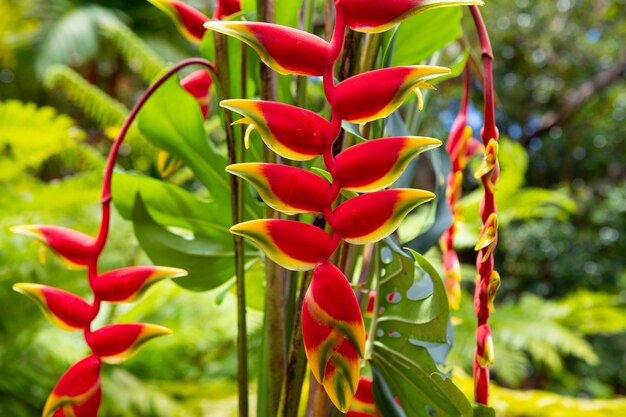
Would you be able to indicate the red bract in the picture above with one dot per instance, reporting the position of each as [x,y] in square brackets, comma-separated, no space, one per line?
[189,21]
[284,188]
[284,49]
[376,94]
[61,308]
[198,84]
[380,15]
[333,333]
[290,131]
[119,342]
[371,217]
[293,245]
[80,383]
[128,284]
[356,169]
[363,404]
[225,8]
[75,247]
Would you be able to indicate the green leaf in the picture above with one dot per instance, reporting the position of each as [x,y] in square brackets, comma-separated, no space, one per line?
[170,205]
[287,12]
[383,397]
[209,262]
[171,120]
[411,319]
[425,33]
[442,220]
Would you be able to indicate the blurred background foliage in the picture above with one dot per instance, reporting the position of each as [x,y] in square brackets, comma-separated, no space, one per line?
[69,71]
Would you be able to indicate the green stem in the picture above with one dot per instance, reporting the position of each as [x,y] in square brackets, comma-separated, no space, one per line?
[301,87]
[223,71]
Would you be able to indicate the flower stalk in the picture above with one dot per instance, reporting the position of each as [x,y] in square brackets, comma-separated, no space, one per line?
[488,280]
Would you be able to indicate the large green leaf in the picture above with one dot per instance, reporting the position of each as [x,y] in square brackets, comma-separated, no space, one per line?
[171,120]
[411,320]
[208,260]
[171,206]
[425,33]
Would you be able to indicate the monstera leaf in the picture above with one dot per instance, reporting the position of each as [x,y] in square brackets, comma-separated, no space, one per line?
[410,321]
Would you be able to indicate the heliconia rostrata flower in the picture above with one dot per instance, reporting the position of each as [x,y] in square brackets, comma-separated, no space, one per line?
[332,323]
[78,392]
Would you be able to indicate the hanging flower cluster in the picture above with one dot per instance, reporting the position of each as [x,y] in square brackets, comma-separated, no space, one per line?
[460,146]
[488,280]
[333,332]
[78,392]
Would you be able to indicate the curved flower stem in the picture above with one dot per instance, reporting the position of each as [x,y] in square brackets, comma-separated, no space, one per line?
[484,262]
[113,153]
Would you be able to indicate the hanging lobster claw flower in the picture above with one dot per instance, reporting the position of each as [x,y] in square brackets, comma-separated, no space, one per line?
[283,49]
[226,7]
[333,334]
[284,188]
[488,236]
[198,84]
[489,165]
[79,384]
[75,247]
[189,21]
[87,409]
[129,284]
[292,132]
[484,346]
[118,342]
[376,94]
[376,164]
[291,244]
[369,218]
[492,289]
[376,16]
[61,308]
[363,403]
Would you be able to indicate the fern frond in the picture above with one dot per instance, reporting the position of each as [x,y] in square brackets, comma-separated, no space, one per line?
[139,56]
[29,135]
[95,103]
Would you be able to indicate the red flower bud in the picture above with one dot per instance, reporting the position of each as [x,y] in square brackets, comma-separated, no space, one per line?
[369,218]
[333,333]
[73,246]
[283,49]
[284,188]
[225,8]
[484,346]
[61,308]
[291,244]
[79,384]
[376,94]
[198,84]
[128,284]
[291,132]
[363,404]
[118,342]
[379,15]
[376,164]
[189,21]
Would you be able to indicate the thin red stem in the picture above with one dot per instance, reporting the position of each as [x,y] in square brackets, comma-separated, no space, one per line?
[113,153]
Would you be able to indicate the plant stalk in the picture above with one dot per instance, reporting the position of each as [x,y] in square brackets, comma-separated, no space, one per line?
[223,71]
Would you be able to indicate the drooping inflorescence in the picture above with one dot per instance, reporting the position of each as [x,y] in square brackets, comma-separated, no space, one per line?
[333,332]
[78,392]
